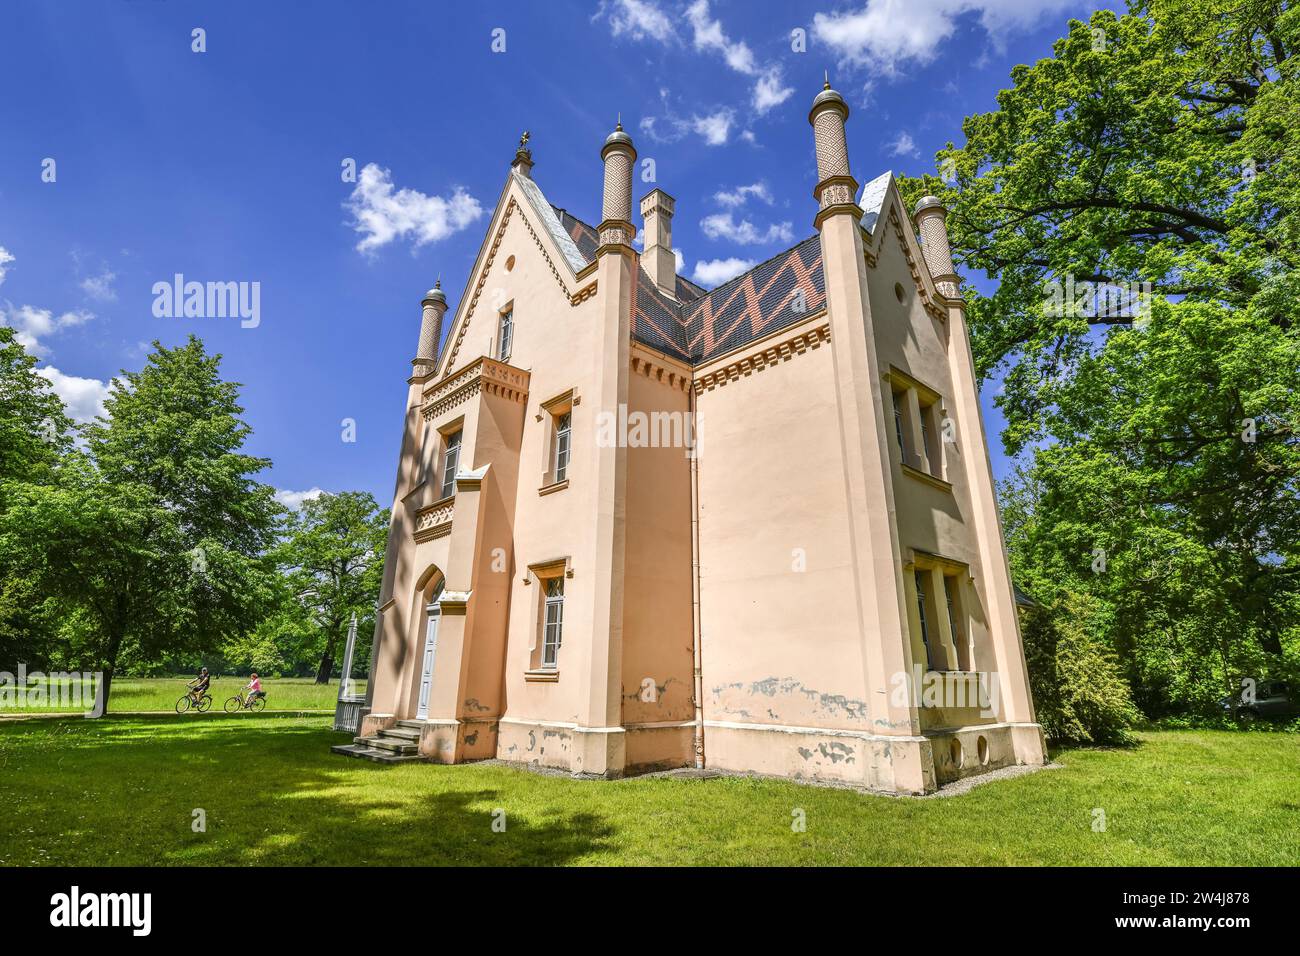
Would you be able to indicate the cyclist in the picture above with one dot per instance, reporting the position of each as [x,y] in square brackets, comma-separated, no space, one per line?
[199,686]
[254,688]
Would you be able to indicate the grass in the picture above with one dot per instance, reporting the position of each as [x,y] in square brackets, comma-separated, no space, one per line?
[123,790]
[143,694]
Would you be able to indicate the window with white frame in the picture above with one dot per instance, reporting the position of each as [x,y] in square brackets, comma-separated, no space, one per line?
[957,623]
[563,437]
[506,334]
[921,601]
[552,621]
[900,399]
[450,464]
[918,424]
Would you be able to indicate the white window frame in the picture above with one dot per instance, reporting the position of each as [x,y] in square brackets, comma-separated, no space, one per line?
[552,621]
[506,333]
[563,445]
[450,463]
[918,577]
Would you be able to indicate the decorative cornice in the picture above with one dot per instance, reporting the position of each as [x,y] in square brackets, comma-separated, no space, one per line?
[482,374]
[583,294]
[773,354]
[660,372]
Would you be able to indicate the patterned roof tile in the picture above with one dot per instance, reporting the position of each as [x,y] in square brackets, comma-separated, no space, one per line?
[702,325]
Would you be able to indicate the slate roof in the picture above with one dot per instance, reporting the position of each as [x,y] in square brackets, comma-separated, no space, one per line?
[702,325]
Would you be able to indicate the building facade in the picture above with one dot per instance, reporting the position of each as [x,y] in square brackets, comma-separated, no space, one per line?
[639,525]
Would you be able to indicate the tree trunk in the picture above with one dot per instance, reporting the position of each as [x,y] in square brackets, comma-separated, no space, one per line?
[326,662]
[110,664]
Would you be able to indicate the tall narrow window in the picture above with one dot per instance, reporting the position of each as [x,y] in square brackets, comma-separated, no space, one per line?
[426,454]
[955,620]
[898,425]
[925,625]
[450,463]
[507,334]
[563,431]
[553,622]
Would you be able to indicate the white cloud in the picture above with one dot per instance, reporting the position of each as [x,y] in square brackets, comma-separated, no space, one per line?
[722,225]
[101,286]
[382,214]
[31,324]
[770,91]
[715,127]
[903,145]
[681,261]
[82,397]
[293,500]
[738,196]
[708,36]
[639,19]
[885,35]
[714,272]
[5,258]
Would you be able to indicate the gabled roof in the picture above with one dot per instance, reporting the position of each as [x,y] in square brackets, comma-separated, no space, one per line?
[701,325]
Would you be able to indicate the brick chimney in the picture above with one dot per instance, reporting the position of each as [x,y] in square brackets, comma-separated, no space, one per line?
[658,259]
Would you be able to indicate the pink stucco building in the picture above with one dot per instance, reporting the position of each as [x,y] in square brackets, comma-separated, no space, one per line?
[640,525]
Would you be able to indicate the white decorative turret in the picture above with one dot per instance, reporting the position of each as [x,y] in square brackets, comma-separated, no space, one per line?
[932,223]
[432,309]
[616,219]
[835,185]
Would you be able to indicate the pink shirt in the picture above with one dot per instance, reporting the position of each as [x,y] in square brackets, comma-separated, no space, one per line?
[255,684]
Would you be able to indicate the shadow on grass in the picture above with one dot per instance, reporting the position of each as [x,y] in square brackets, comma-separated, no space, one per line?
[271,794]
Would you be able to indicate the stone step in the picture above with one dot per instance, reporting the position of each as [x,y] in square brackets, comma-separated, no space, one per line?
[363,752]
[382,737]
[416,725]
[405,733]
[404,747]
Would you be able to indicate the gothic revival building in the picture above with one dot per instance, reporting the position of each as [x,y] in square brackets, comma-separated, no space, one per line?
[642,525]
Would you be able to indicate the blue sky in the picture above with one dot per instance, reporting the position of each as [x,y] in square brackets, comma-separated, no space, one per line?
[226,165]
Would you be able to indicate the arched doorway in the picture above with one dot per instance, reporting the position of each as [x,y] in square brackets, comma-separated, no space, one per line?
[432,614]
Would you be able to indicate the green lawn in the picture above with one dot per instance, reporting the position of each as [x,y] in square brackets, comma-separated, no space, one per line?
[160,694]
[122,791]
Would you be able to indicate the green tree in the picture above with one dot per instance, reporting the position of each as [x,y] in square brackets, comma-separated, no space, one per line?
[34,435]
[1160,147]
[154,538]
[331,557]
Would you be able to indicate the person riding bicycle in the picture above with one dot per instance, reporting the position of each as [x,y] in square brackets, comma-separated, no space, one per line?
[199,686]
[254,688]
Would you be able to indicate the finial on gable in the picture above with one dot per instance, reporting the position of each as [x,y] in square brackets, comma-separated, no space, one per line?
[524,156]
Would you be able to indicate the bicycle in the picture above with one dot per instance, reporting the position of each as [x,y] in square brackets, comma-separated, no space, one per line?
[239,703]
[188,700]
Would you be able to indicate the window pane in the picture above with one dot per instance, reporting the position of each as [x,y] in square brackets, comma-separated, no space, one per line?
[450,464]
[898,424]
[925,627]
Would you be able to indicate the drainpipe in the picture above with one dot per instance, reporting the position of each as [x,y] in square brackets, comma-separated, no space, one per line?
[695,580]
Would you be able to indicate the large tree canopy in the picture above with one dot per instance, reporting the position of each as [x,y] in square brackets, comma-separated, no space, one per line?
[34,433]
[330,559]
[1160,147]
[154,539]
